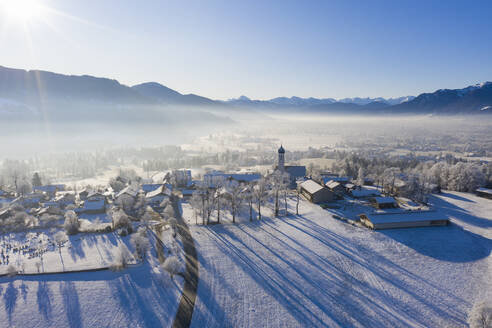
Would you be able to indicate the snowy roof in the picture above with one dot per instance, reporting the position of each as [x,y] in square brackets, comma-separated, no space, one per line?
[148,187]
[296,171]
[384,200]
[129,190]
[332,184]
[93,204]
[365,192]
[409,216]
[162,190]
[336,179]
[485,190]
[311,186]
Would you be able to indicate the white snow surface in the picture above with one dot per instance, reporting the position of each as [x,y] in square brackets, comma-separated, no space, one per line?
[312,270]
[141,295]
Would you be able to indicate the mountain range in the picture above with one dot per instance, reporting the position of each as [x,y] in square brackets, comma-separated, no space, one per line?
[21,90]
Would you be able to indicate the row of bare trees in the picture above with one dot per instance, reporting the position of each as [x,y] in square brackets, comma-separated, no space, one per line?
[233,196]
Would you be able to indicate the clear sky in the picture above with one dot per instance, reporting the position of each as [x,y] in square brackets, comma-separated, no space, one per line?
[262,49]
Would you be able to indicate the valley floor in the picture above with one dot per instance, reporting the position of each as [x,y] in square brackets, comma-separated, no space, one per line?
[313,270]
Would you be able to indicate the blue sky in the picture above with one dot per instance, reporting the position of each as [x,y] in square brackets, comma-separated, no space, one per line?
[262,49]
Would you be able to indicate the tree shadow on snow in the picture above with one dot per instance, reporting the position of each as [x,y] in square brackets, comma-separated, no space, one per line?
[459,213]
[71,304]
[44,300]
[450,243]
[10,299]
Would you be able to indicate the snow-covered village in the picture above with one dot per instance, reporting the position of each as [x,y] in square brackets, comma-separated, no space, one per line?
[245,164]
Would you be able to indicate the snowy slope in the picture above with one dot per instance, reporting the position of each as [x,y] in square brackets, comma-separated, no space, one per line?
[313,270]
[138,296]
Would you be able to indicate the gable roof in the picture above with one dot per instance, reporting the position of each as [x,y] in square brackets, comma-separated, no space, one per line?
[162,190]
[384,200]
[311,186]
[332,184]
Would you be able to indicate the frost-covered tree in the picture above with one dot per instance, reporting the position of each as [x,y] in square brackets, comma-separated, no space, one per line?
[234,192]
[126,202]
[120,220]
[480,316]
[260,191]
[172,265]
[141,243]
[360,177]
[121,259]
[71,224]
[36,180]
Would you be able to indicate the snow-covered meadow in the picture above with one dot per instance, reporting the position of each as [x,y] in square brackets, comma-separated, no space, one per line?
[141,295]
[313,270]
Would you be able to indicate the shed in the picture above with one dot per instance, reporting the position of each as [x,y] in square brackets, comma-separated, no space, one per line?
[408,219]
[384,202]
[315,192]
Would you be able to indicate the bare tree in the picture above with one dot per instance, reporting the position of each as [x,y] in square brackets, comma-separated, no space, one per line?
[260,192]
[234,193]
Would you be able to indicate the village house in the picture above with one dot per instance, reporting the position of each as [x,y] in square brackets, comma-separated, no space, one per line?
[64,198]
[407,219]
[315,193]
[156,197]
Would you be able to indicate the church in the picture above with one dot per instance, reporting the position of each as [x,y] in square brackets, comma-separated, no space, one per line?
[295,171]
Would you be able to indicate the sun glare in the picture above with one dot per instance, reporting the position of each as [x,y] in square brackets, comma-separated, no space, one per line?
[23,10]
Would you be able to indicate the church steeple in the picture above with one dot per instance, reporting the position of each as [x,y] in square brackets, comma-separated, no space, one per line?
[281,158]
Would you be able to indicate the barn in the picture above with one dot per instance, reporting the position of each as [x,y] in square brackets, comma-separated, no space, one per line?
[407,219]
[315,192]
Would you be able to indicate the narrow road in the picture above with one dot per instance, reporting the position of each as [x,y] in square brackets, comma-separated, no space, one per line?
[187,301]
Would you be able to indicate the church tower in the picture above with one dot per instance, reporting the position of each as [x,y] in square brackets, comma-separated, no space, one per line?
[281,158]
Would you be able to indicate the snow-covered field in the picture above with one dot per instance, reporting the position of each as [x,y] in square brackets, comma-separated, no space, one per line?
[313,270]
[78,252]
[138,296]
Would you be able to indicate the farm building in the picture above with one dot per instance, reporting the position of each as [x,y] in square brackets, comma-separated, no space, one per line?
[365,192]
[155,198]
[409,219]
[384,202]
[335,187]
[484,192]
[315,192]
[341,180]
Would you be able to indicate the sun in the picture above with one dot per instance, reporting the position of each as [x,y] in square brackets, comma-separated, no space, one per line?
[22,10]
